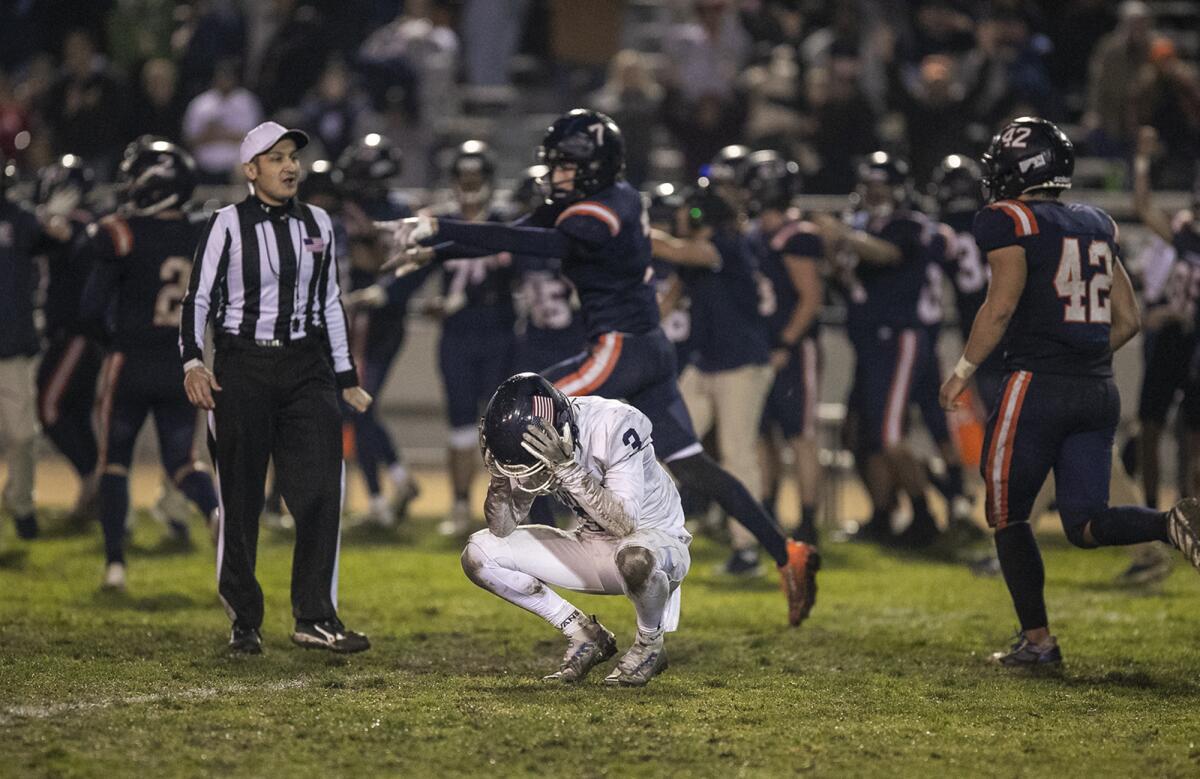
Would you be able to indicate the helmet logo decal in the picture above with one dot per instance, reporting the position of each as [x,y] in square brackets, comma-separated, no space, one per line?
[1036,161]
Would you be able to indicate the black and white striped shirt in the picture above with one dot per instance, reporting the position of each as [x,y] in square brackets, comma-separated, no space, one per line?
[267,273]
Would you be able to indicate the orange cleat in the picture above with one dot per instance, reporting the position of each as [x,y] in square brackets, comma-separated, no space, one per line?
[799,575]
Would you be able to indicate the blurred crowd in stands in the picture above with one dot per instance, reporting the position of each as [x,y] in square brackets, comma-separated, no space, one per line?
[824,81]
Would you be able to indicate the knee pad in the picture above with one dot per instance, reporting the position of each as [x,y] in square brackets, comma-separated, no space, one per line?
[1075,521]
[636,564]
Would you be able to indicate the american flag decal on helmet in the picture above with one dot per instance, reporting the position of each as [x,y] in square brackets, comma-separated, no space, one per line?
[544,407]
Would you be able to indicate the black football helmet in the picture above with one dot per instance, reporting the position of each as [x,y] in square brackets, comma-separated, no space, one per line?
[64,184]
[593,143]
[955,186]
[663,202]
[728,166]
[531,190]
[472,170]
[322,180]
[881,168]
[368,165]
[707,208]
[517,402]
[156,175]
[1029,153]
[769,181]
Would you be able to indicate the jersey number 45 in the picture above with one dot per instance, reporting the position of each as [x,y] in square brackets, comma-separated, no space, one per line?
[1087,299]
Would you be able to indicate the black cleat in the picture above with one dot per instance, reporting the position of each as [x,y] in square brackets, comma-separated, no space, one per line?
[329,634]
[246,641]
[1026,654]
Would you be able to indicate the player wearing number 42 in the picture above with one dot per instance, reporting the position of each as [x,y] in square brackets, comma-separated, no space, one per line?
[1060,291]
[141,267]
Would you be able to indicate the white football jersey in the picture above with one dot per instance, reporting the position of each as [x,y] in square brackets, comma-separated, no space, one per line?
[616,446]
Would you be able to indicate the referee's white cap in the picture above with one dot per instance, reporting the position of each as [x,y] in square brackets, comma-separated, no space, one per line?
[266,135]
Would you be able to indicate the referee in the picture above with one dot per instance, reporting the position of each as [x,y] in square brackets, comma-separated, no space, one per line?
[266,278]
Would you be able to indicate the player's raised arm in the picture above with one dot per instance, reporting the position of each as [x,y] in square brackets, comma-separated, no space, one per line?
[694,251]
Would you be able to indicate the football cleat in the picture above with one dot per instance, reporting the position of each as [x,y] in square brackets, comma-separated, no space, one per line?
[1026,654]
[246,641]
[114,577]
[381,513]
[592,645]
[742,563]
[1151,563]
[640,664]
[405,494]
[799,576]
[1183,528]
[329,634]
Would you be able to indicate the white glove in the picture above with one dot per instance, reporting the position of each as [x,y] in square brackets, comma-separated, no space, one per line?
[544,442]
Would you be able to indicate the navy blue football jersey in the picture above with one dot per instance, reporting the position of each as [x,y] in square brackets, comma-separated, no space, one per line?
[1182,289]
[729,320]
[610,261]
[890,295]
[1062,321]
[548,306]
[66,272]
[478,291]
[799,240]
[967,269]
[142,268]
[19,238]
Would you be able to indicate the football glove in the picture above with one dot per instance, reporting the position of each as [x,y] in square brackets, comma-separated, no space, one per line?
[544,442]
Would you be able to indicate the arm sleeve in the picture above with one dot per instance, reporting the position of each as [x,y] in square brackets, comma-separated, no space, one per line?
[994,229]
[804,244]
[452,250]
[334,316]
[494,238]
[212,257]
[505,506]
[615,501]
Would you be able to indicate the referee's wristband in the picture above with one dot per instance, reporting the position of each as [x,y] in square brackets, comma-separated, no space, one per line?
[965,368]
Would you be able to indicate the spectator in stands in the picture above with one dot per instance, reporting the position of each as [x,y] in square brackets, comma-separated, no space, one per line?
[212,31]
[491,33]
[158,109]
[217,120]
[840,126]
[1168,99]
[934,109]
[87,107]
[331,112]
[14,120]
[854,33]
[294,56]
[633,98]
[773,97]
[417,52]
[1008,68]
[1112,80]
[1076,27]
[941,27]
[704,108]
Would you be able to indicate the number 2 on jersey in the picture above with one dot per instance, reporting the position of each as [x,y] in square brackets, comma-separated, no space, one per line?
[1087,300]
[174,273]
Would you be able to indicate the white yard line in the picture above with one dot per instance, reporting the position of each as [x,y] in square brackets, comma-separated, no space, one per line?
[13,714]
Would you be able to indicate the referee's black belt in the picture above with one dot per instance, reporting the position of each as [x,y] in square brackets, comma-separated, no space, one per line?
[229,339]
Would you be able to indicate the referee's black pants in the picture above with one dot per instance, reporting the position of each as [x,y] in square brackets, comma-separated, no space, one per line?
[278,402]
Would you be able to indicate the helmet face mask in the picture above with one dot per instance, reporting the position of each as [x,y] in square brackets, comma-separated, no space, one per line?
[367,167]
[769,182]
[517,403]
[471,173]
[956,186]
[592,143]
[1027,154]
[884,183]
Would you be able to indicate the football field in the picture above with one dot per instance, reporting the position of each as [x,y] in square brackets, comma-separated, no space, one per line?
[887,678]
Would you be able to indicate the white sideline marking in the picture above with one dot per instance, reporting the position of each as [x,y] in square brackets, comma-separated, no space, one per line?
[14,713]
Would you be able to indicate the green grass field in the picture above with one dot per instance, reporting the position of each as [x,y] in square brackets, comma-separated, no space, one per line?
[886,679]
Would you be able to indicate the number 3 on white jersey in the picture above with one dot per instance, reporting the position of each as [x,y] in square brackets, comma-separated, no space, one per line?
[1087,302]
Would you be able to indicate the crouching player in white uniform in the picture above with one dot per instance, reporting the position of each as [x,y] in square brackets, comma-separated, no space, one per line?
[596,456]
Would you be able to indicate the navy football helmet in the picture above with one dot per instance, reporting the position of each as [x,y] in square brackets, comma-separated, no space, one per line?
[707,208]
[1028,154]
[593,143]
[515,405]
[156,175]
[368,165]
[956,186]
[64,184]
[769,181]
[663,202]
[322,180]
[472,170]
[531,189]
[884,182]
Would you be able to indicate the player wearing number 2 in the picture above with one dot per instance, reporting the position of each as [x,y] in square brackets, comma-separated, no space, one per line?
[142,264]
[1060,291]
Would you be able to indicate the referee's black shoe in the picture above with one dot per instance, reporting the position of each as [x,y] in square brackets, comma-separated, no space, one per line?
[247,641]
[329,634]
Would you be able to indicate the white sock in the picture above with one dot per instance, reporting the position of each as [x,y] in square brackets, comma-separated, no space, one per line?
[521,589]
[651,605]
[398,474]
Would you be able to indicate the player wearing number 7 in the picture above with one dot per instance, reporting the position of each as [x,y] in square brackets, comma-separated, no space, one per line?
[143,263]
[1060,298]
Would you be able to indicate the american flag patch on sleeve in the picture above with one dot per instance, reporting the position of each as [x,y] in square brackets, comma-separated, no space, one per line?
[544,407]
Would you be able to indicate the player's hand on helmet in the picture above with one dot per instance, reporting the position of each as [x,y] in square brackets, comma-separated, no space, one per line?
[357,398]
[199,383]
[545,443]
